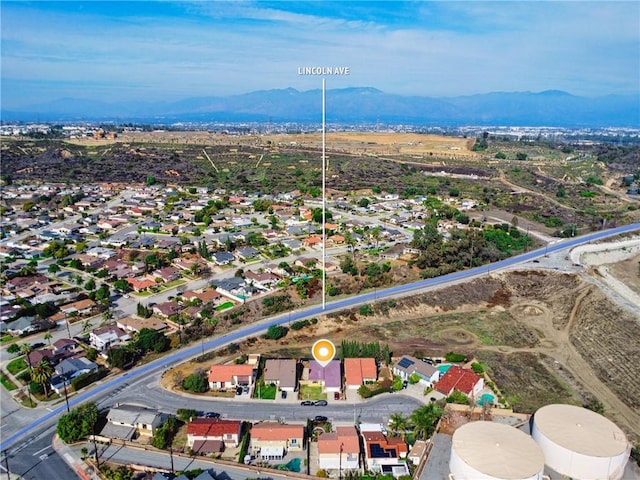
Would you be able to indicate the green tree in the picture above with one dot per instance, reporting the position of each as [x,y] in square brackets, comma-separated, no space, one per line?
[276,332]
[48,337]
[120,357]
[13,349]
[398,424]
[53,268]
[122,285]
[424,419]
[78,423]
[26,350]
[195,383]
[164,434]
[90,284]
[41,373]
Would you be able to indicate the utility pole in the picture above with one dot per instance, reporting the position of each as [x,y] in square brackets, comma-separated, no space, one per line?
[64,384]
[6,464]
[324,198]
[171,456]
[340,471]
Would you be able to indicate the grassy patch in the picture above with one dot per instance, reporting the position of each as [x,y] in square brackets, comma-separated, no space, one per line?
[265,392]
[16,365]
[224,306]
[6,338]
[6,383]
[27,402]
[312,392]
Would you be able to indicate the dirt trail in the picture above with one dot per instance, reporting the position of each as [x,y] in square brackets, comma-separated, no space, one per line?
[557,345]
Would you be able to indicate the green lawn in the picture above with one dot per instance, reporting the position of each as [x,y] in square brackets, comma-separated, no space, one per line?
[17,365]
[311,392]
[224,306]
[6,383]
[265,392]
[6,338]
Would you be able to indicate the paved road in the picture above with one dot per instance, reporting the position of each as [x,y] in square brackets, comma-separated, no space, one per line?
[120,384]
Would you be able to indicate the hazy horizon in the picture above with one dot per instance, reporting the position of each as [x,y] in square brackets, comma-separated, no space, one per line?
[169,51]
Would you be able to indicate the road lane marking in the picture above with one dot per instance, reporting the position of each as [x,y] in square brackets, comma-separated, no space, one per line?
[42,450]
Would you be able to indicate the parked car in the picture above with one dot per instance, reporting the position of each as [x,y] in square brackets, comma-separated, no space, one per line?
[283,394]
[307,403]
[320,403]
[212,415]
[238,390]
[320,418]
[37,345]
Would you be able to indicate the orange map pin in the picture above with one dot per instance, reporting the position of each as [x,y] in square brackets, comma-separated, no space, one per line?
[323,351]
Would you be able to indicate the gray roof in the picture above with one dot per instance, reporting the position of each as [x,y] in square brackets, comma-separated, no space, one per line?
[132,415]
[72,365]
[282,370]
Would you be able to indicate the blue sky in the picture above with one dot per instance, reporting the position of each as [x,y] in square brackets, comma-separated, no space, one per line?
[166,51]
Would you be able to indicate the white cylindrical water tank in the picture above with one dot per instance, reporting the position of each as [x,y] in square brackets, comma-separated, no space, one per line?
[493,451]
[580,443]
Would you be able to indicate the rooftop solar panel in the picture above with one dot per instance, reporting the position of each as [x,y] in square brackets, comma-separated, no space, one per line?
[405,363]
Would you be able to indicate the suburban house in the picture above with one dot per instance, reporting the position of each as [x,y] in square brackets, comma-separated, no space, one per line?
[104,337]
[272,441]
[139,284]
[229,376]
[329,377]
[408,366]
[358,371]
[264,280]
[461,379]
[223,258]
[282,372]
[417,452]
[383,454]
[74,367]
[166,309]
[64,345]
[211,435]
[132,420]
[339,449]
[166,274]
[80,307]
[135,324]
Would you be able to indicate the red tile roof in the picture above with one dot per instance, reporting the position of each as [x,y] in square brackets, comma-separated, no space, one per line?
[457,378]
[345,436]
[225,373]
[213,427]
[268,431]
[356,370]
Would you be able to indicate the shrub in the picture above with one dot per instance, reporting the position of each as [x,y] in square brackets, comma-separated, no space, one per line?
[186,414]
[366,310]
[195,383]
[276,332]
[455,357]
[477,368]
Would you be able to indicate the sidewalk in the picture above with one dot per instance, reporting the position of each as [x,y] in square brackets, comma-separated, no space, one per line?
[71,458]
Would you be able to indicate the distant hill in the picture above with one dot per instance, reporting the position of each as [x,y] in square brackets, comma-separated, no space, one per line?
[356,105]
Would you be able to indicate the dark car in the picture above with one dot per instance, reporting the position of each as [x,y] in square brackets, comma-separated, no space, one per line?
[212,415]
[37,345]
[283,394]
[320,403]
[307,403]
[320,418]
[238,390]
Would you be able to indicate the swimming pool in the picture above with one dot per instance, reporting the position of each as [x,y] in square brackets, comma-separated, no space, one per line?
[486,397]
[444,367]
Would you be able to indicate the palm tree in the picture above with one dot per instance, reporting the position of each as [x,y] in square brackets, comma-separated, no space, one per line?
[41,374]
[398,424]
[26,349]
[48,337]
[86,326]
[424,418]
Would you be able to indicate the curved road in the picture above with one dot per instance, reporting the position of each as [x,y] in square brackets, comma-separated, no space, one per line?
[146,371]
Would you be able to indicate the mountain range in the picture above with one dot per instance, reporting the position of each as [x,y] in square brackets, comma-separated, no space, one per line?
[355,105]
